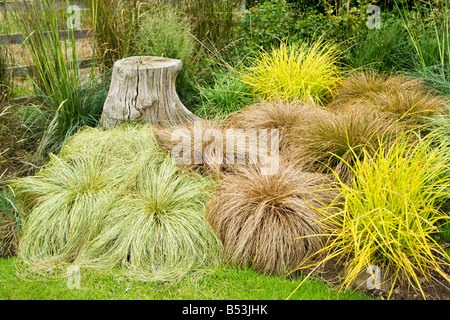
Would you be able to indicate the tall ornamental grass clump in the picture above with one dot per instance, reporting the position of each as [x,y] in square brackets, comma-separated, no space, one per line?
[66,99]
[111,199]
[390,213]
[163,31]
[115,24]
[430,39]
[295,72]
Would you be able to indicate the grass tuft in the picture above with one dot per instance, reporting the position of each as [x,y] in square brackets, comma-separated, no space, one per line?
[390,213]
[112,199]
[257,217]
[295,72]
[402,99]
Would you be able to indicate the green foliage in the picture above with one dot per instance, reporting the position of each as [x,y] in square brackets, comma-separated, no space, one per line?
[228,94]
[383,49]
[430,37]
[212,21]
[348,18]
[49,124]
[4,79]
[312,25]
[114,24]
[112,200]
[66,99]
[267,24]
[165,32]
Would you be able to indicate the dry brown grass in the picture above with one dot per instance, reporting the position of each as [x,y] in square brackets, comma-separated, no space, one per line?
[207,146]
[8,239]
[402,99]
[280,115]
[257,217]
[336,138]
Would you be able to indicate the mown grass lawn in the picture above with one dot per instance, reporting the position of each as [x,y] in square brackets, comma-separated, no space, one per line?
[227,283]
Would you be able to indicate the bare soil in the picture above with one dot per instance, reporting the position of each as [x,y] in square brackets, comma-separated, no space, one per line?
[436,288]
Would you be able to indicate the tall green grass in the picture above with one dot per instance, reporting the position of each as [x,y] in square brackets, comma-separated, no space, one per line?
[213,21]
[4,78]
[390,214]
[165,31]
[383,49]
[66,98]
[111,200]
[430,38]
[227,95]
[115,24]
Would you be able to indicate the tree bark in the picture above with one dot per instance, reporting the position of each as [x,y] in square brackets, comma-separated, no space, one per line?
[143,88]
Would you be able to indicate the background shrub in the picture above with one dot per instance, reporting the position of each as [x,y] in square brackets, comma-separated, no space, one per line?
[165,32]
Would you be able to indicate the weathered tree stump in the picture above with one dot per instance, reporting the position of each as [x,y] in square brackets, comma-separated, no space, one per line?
[143,88]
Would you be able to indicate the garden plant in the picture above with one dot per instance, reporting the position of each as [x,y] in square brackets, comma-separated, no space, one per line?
[349,100]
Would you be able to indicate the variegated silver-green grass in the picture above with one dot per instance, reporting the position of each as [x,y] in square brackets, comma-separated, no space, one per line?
[111,199]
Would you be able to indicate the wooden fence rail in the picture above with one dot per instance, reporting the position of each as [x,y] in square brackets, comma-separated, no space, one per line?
[22,71]
[58,4]
[17,38]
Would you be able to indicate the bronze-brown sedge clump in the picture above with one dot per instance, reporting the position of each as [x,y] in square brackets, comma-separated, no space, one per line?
[280,115]
[404,100]
[336,138]
[209,147]
[258,217]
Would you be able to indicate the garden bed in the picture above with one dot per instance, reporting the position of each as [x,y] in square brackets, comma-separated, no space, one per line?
[301,144]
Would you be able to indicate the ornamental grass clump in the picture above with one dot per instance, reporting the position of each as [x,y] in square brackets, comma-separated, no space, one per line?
[209,147]
[10,221]
[295,72]
[402,99]
[334,139]
[257,216]
[112,199]
[390,215]
[281,115]
[156,229]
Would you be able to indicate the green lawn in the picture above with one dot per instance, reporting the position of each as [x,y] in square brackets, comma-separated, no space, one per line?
[226,283]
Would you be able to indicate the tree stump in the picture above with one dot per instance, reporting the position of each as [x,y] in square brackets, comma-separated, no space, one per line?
[143,88]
